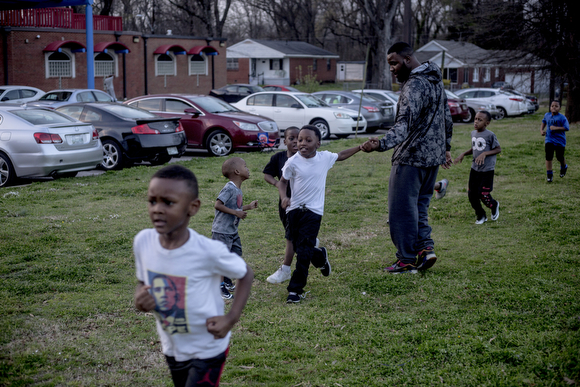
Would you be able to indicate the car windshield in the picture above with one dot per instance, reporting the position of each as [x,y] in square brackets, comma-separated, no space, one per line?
[56,96]
[125,111]
[2,91]
[42,117]
[452,95]
[255,89]
[214,105]
[291,88]
[310,101]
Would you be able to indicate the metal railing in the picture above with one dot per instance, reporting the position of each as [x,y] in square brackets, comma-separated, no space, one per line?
[58,18]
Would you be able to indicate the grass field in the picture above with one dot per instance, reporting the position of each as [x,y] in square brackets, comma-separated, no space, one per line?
[500,307]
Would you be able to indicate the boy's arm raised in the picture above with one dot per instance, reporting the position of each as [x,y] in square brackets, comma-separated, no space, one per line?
[219,326]
[345,154]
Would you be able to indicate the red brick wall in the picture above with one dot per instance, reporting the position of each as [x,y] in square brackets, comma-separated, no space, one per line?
[243,73]
[306,64]
[26,65]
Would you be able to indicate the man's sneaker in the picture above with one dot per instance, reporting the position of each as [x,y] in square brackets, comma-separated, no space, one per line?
[481,220]
[563,171]
[294,298]
[426,259]
[226,295]
[279,276]
[495,214]
[400,267]
[229,284]
[443,190]
[325,270]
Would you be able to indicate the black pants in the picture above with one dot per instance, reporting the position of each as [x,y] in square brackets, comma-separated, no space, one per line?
[480,187]
[197,372]
[304,225]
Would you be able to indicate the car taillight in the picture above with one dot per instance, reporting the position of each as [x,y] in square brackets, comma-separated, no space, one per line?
[371,109]
[95,135]
[47,138]
[516,99]
[452,104]
[179,128]
[143,129]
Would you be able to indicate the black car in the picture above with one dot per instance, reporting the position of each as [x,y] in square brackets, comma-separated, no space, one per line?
[234,93]
[130,134]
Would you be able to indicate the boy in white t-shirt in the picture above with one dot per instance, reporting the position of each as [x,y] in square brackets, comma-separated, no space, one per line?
[179,273]
[306,171]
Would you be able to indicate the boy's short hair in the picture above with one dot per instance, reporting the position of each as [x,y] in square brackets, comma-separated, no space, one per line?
[230,165]
[314,129]
[556,100]
[401,48]
[487,114]
[291,128]
[179,172]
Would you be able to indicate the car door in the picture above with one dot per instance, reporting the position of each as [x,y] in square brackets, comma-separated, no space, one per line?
[288,112]
[194,126]
[260,104]
[12,96]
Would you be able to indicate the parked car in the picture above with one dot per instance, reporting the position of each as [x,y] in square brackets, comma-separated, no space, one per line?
[234,93]
[501,85]
[56,98]
[130,134]
[37,142]
[531,98]
[476,105]
[279,88]
[458,107]
[18,94]
[289,108]
[377,113]
[383,95]
[507,103]
[213,124]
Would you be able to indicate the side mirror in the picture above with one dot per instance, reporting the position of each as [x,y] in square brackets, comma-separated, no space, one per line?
[194,112]
[296,106]
[5,99]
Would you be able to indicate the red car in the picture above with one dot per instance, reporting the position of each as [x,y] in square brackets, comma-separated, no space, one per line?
[213,124]
[279,88]
[458,107]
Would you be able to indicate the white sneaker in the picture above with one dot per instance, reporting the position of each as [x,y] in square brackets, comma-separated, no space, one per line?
[495,215]
[279,276]
[482,220]
[443,190]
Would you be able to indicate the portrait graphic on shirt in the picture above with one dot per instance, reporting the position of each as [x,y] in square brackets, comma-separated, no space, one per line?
[169,294]
[478,143]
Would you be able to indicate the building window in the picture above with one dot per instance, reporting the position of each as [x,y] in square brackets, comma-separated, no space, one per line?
[104,65]
[59,65]
[276,64]
[496,72]
[197,65]
[476,74]
[466,75]
[450,74]
[487,74]
[233,64]
[165,65]
[328,65]
[315,65]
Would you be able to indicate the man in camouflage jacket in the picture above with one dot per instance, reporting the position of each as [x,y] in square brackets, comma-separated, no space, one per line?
[421,138]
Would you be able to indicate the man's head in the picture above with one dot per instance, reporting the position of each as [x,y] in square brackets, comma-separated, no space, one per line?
[401,60]
[165,293]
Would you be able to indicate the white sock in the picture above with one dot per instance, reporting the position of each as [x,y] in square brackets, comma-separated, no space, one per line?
[286,268]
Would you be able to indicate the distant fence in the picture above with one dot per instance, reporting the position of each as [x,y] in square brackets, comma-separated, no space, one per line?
[58,18]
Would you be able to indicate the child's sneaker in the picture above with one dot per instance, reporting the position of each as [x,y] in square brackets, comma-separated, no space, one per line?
[229,284]
[550,179]
[294,298]
[563,171]
[400,267]
[481,220]
[226,295]
[325,270]
[443,190]
[426,259]
[279,276]
[495,214]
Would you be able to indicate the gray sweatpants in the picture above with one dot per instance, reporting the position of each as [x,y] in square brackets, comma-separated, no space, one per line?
[410,192]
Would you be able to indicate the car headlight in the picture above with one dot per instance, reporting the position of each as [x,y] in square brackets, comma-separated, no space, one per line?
[341,115]
[246,126]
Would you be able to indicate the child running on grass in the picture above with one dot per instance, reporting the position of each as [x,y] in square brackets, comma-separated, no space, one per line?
[557,125]
[484,147]
[272,174]
[229,209]
[179,273]
[306,171]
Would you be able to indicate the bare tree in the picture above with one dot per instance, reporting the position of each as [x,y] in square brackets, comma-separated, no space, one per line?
[203,17]
[428,18]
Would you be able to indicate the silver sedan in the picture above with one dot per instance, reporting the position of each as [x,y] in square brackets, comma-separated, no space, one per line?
[39,142]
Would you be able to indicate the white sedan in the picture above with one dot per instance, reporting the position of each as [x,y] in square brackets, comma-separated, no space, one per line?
[299,109]
[508,104]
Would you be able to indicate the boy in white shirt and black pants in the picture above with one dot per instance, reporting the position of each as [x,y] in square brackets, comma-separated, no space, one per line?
[306,171]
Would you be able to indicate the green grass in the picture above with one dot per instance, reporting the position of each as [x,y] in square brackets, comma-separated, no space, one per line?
[500,307]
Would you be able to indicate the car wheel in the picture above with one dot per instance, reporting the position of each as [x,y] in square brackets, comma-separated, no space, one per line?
[323,127]
[64,175]
[112,156]
[469,118]
[342,135]
[502,113]
[219,144]
[160,159]
[372,129]
[7,174]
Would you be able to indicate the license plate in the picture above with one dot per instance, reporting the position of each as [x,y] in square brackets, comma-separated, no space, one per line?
[172,150]
[76,139]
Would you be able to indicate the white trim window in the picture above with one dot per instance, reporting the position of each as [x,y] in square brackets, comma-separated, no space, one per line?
[496,72]
[476,74]
[105,64]
[233,64]
[487,74]
[165,65]
[59,64]
[197,65]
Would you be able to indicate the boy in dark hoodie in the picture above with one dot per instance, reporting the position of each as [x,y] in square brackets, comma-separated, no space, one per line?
[421,138]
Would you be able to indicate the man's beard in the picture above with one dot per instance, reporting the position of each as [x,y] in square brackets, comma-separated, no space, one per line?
[403,73]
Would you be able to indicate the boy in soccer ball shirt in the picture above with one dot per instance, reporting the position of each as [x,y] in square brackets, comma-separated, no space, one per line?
[557,125]
[179,273]
[306,171]
[484,147]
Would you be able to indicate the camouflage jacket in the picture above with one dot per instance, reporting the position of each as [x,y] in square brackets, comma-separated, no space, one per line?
[423,127]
